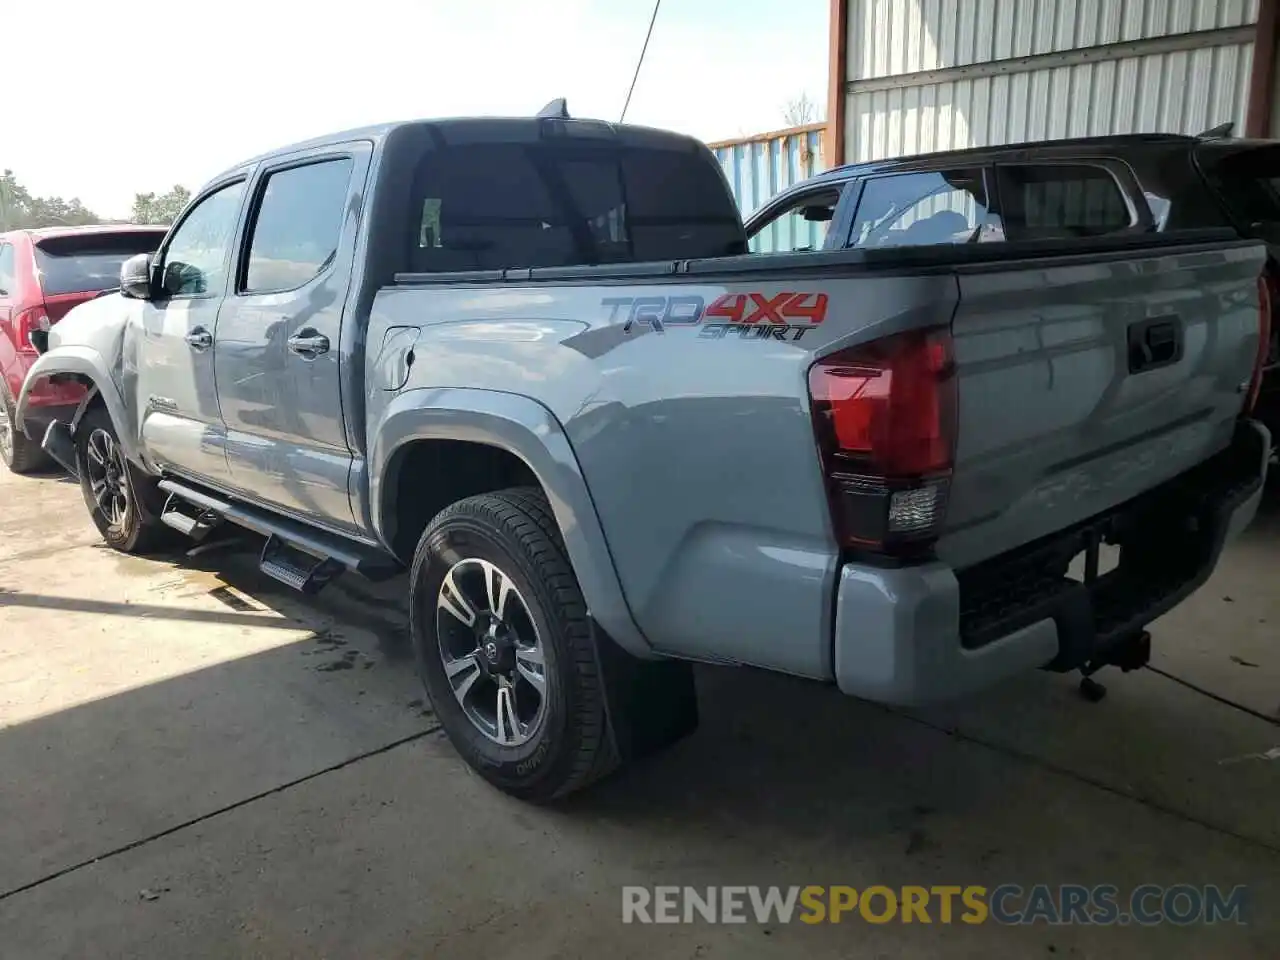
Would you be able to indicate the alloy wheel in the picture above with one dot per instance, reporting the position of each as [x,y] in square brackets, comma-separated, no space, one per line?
[493,656]
[105,468]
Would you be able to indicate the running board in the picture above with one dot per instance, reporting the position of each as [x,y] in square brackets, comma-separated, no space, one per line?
[296,568]
[296,554]
[187,518]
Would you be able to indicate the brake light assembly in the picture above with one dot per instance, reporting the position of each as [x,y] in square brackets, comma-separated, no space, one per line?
[1268,298]
[33,320]
[885,419]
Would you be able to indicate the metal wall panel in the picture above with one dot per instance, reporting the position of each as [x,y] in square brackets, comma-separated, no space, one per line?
[1179,92]
[759,167]
[891,37]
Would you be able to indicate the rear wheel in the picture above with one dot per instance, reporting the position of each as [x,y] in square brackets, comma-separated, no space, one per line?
[19,452]
[505,647]
[123,501]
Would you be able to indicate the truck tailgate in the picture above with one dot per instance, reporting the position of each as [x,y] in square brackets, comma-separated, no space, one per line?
[1086,381]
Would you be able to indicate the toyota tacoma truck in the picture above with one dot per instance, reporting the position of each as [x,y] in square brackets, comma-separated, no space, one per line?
[533,362]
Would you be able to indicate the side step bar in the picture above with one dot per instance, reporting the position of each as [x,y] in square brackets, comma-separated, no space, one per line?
[186,518]
[296,568]
[296,554]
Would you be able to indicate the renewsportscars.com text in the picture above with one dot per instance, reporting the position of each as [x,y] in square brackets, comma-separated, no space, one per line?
[1010,904]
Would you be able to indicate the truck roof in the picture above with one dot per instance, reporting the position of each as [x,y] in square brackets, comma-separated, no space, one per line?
[514,128]
[977,154]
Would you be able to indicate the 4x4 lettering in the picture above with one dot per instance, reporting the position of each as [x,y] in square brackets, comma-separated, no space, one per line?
[728,307]
[814,312]
[767,309]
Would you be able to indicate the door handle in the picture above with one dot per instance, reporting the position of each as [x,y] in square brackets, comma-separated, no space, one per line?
[200,339]
[1154,343]
[309,343]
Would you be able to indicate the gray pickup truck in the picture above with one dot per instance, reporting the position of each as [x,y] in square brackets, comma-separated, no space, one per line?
[533,361]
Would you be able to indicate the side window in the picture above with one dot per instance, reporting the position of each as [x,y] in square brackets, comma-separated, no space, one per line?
[297,226]
[8,271]
[801,225]
[1057,201]
[195,259]
[921,209]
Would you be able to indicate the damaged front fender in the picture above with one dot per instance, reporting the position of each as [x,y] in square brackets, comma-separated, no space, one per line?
[87,364]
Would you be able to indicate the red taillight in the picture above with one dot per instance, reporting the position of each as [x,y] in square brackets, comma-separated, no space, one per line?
[26,323]
[885,417]
[1268,297]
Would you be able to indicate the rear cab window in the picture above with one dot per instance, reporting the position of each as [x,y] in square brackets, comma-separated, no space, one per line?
[88,262]
[495,206]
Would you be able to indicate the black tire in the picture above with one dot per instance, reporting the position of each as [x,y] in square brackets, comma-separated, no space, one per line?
[514,531]
[19,452]
[137,527]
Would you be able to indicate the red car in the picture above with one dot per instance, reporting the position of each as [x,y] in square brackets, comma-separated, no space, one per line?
[43,274]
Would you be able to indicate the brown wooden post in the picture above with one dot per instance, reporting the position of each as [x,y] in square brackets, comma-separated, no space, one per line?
[837,74]
[1262,81]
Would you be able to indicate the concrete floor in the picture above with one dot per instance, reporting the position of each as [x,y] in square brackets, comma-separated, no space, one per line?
[194,762]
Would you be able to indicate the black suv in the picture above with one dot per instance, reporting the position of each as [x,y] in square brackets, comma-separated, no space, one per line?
[1045,193]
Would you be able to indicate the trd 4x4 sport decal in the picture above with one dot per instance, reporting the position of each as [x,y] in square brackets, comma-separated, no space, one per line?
[750,316]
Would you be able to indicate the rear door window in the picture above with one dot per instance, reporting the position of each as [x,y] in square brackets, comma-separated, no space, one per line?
[89,262]
[921,209]
[1061,201]
[511,206]
[297,226]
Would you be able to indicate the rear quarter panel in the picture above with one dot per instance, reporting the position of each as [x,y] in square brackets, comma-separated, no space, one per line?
[697,448]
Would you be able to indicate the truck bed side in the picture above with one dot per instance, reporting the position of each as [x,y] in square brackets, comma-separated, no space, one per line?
[693,429]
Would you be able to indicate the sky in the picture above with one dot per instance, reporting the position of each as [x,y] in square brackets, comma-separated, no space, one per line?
[136,98]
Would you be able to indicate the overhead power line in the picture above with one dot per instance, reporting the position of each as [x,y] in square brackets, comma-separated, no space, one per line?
[639,63]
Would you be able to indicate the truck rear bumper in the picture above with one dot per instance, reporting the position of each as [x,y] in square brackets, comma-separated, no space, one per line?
[925,633]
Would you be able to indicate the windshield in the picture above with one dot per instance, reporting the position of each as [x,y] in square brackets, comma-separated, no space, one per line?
[89,263]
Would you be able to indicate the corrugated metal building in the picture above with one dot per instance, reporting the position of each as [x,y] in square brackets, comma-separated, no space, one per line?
[758,167]
[912,76]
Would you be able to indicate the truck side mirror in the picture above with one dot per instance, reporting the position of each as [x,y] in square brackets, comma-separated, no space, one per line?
[135,277]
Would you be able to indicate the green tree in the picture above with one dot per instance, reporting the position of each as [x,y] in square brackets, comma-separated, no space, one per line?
[19,209]
[150,208]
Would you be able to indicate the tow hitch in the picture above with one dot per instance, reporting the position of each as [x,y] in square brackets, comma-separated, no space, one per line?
[1129,653]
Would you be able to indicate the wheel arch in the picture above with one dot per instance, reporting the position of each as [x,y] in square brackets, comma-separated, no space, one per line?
[500,436]
[88,366]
